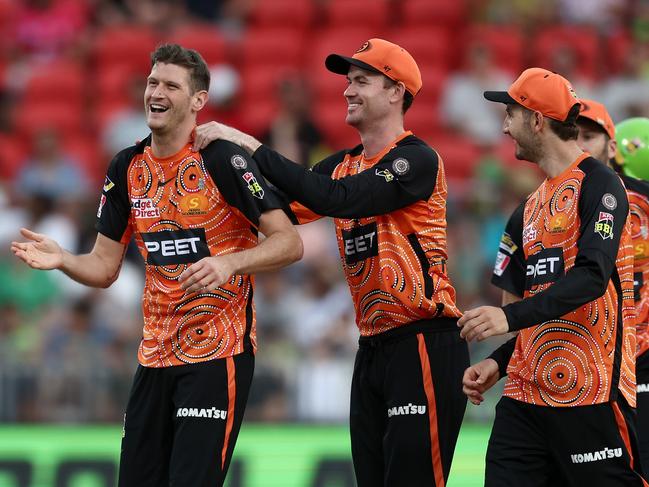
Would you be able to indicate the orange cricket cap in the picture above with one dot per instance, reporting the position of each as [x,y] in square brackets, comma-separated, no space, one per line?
[539,90]
[595,111]
[380,56]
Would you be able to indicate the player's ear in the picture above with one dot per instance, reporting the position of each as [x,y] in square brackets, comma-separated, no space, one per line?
[199,99]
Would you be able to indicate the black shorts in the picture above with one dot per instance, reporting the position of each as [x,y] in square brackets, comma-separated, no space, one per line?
[642,378]
[541,446]
[182,422]
[407,405]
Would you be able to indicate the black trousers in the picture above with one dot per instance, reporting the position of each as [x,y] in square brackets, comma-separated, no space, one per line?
[407,405]
[540,446]
[642,377]
[182,422]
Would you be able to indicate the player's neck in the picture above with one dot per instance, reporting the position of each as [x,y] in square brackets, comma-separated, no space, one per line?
[168,143]
[558,157]
[376,138]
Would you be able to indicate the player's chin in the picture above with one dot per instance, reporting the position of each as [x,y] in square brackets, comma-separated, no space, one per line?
[352,119]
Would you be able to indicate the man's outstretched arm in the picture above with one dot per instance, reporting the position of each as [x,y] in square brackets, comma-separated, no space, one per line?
[99,268]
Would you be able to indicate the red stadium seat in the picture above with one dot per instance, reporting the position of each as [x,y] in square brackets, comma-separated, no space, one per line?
[258,115]
[618,47]
[423,120]
[346,13]
[583,41]
[295,14]
[505,44]
[261,82]
[433,79]
[113,84]
[126,46]
[207,40]
[449,14]
[57,80]
[12,156]
[428,45]
[339,41]
[459,154]
[330,118]
[89,156]
[57,114]
[282,48]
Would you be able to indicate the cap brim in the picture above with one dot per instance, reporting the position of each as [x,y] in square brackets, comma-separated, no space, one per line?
[340,64]
[499,97]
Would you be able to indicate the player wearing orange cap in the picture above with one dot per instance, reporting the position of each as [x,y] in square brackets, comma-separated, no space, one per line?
[388,198]
[566,415]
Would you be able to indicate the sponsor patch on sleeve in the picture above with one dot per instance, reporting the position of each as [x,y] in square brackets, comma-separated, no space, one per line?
[384,173]
[502,261]
[102,202]
[253,185]
[108,184]
[507,244]
[238,162]
[604,225]
[401,166]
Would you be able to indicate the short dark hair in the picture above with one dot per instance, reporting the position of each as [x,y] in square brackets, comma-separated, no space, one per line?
[567,130]
[199,74]
[408,98]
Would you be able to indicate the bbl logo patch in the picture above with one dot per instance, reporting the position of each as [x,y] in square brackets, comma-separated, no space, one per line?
[604,225]
[384,173]
[401,166]
[609,201]
[253,185]
[238,162]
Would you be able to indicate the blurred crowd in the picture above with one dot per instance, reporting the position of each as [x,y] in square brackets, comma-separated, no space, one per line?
[71,82]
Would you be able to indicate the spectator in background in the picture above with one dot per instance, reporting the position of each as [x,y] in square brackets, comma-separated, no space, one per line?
[49,172]
[626,94]
[47,29]
[564,60]
[293,132]
[464,89]
[127,125]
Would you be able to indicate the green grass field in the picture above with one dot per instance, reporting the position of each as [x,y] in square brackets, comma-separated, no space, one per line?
[265,456]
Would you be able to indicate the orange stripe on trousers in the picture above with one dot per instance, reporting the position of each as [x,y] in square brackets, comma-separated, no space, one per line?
[232,394]
[438,470]
[624,432]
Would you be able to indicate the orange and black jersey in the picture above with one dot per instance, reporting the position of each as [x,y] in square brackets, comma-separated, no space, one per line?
[180,209]
[638,192]
[390,216]
[567,251]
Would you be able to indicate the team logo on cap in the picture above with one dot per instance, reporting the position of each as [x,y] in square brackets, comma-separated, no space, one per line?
[238,162]
[366,45]
[401,166]
[609,201]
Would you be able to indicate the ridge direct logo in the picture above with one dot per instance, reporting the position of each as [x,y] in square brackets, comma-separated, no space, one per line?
[175,246]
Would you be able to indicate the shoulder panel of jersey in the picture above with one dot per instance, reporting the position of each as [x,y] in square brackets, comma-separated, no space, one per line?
[114,206]
[231,168]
